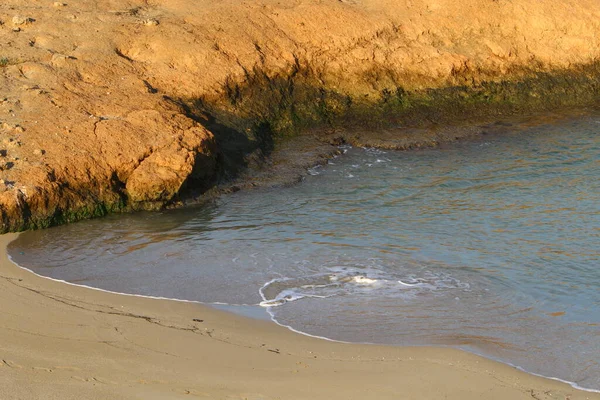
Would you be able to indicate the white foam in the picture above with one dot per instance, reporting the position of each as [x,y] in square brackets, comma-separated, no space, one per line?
[363,280]
[272,316]
[342,281]
[286,297]
[408,284]
[314,170]
[358,279]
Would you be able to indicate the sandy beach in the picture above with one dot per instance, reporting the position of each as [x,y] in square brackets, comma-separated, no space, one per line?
[61,341]
[121,105]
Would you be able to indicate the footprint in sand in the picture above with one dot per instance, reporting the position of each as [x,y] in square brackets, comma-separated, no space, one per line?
[42,369]
[191,392]
[65,368]
[12,364]
[93,380]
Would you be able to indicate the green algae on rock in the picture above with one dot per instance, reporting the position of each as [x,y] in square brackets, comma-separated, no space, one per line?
[292,103]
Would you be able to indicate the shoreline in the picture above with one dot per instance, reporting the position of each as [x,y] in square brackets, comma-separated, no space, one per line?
[117,106]
[290,160]
[93,337]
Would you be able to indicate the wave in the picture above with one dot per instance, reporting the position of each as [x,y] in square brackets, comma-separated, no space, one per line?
[348,281]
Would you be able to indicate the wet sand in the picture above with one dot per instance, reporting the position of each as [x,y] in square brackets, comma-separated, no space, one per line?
[61,341]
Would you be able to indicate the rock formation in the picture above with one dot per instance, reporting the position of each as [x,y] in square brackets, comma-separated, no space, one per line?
[110,105]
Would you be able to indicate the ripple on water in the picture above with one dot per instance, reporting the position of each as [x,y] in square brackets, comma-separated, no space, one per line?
[490,246]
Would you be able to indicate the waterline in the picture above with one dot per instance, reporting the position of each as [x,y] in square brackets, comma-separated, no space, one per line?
[487,246]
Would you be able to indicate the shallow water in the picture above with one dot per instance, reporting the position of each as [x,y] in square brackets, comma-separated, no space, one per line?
[492,246]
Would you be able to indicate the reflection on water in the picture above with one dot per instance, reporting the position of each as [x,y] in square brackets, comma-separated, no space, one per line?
[492,246]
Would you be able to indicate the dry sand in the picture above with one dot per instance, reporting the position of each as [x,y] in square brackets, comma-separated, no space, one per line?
[59,341]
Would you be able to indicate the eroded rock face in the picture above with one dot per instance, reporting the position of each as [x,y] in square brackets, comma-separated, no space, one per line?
[160,176]
[88,123]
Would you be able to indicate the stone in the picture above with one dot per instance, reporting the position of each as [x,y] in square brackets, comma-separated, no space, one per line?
[20,20]
[150,22]
[161,175]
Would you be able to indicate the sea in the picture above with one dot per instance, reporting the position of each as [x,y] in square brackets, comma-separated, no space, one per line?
[490,245]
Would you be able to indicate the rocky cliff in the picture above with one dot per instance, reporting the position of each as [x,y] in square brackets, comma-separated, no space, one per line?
[112,105]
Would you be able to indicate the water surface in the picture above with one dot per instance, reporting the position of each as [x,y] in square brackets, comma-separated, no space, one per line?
[492,246]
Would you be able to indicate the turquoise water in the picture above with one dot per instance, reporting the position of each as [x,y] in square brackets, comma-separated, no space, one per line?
[492,246]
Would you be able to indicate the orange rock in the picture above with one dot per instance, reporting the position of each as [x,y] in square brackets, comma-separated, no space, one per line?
[93,87]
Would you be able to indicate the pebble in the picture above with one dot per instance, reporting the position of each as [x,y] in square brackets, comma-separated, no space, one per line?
[14,143]
[39,152]
[150,22]
[20,20]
